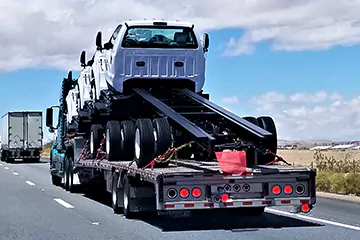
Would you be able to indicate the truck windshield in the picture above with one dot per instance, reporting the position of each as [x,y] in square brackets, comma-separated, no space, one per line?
[159,37]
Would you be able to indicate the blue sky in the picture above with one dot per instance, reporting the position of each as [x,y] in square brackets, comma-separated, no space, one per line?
[245,78]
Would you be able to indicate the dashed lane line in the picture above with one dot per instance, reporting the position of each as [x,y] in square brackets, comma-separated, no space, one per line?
[63,203]
[30,183]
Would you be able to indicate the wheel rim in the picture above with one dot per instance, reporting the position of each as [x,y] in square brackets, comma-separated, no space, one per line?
[92,142]
[126,200]
[107,141]
[137,143]
[114,197]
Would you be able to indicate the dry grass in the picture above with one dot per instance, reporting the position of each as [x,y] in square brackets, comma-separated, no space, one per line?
[305,157]
[337,171]
[45,153]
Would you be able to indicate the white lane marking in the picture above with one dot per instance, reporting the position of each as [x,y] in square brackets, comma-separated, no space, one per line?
[1,164]
[6,168]
[63,203]
[30,183]
[22,177]
[314,219]
[15,173]
[95,223]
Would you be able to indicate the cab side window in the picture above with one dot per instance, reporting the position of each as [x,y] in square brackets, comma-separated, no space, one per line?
[110,44]
[115,34]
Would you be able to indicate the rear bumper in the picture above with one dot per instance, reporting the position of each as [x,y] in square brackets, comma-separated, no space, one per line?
[24,153]
[238,203]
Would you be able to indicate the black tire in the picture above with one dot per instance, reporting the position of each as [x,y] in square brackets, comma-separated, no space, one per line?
[127,200]
[113,138]
[56,180]
[252,120]
[162,131]
[115,194]
[71,187]
[127,129]
[66,175]
[268,124]
[144,142]
[95,139]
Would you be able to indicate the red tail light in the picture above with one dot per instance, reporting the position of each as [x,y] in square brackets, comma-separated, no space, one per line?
[276,190]
[305,207]
[224,197]
[288,189]
[184,193]
[196,192]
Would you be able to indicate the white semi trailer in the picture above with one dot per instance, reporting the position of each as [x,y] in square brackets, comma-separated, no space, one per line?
[21,136]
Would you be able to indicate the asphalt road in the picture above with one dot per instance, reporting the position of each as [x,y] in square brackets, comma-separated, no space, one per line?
[32,208]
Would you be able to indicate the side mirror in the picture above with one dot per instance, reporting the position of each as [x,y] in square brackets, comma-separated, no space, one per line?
[206,42]
[49,118]
[108,46]
[82,58]
[99,40]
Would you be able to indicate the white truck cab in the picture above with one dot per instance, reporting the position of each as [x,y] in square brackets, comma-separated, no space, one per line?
[150,52]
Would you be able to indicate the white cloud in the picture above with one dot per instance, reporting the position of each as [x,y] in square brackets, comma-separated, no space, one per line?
[270,97]
[52,33]
[230,100]
[329,120]
[309,97]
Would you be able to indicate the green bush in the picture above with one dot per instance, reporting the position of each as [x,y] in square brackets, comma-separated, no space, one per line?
[340,183]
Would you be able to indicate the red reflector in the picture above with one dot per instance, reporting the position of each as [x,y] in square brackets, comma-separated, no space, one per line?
[184,193]
[305,207]
[288,189]
[285,201]
[208,204]
[196,192]
[169,205]
[229,204]
[304,201]
[224,197]
[233,162]
[276,190]
[266,202]
[189,205]
[247,203]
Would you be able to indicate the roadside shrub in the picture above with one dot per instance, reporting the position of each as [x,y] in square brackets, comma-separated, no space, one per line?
[352,184]
[323,182]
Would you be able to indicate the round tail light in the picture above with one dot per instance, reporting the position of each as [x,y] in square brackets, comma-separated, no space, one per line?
[172,193]
[196,192]
[246,187]
[224,197]
[227,188]
[288,189]
[300,189]
[276,190]
[237,188]
[184,193]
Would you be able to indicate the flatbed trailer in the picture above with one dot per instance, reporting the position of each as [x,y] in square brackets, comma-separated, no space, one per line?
[192,184]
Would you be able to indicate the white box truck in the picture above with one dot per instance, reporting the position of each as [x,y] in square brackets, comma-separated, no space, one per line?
[21,136]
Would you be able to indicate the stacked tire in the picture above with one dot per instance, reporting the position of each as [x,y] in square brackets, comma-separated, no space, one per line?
[142,140]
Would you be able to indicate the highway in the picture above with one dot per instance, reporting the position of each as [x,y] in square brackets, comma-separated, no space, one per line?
[33,209]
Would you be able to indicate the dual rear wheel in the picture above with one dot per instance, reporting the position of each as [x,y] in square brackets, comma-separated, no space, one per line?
[125,141]
[268,124]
